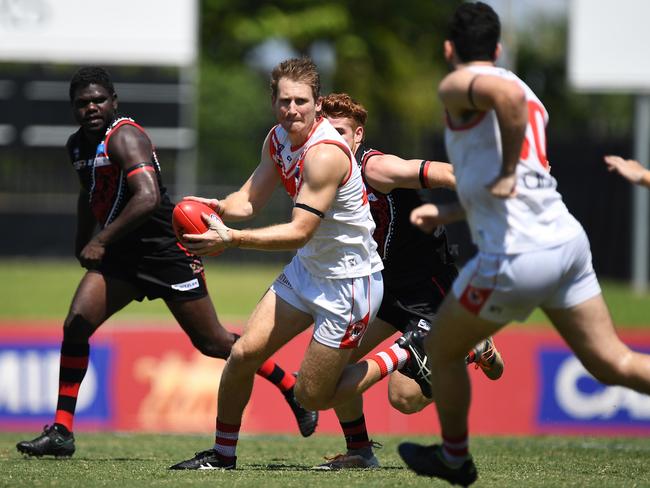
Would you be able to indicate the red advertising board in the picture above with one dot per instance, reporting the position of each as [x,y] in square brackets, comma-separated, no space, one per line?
[150,378]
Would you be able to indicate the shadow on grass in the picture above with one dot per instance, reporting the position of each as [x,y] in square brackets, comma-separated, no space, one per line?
[76,459]
[299,467]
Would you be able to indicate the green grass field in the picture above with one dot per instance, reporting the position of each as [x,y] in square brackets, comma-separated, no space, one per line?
[284,461]
[43,289]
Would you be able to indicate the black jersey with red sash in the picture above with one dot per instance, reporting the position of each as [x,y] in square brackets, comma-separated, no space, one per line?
[106,184]
[404,249]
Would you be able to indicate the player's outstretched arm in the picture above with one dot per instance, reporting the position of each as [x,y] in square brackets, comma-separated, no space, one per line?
[429,216]
[385,172]
[254,194]
[631,170]
[324,168]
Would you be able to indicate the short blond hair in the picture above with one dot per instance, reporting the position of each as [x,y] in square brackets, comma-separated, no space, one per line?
[296,69]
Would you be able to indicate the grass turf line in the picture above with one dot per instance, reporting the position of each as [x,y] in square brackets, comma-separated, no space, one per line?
[283,461]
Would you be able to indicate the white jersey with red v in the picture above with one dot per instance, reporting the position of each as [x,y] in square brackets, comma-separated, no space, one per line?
[342,246]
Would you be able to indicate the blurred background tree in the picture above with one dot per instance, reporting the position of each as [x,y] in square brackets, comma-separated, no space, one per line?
[385,54]
[541,62]
[388,55]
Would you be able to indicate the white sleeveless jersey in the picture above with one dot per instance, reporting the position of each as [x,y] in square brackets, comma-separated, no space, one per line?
[342,246]
[536,217]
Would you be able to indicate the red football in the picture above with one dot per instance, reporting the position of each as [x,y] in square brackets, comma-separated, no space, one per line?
[186,218]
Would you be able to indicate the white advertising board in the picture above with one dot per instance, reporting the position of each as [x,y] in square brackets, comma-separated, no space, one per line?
[125,32]
[609,42]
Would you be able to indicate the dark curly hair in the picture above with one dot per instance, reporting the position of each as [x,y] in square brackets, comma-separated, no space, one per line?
[88,75]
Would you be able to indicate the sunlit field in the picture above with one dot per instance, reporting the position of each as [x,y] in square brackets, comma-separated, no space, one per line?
[285,461]
[41,290]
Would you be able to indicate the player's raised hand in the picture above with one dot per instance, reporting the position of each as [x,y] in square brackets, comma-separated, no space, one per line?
[631,170]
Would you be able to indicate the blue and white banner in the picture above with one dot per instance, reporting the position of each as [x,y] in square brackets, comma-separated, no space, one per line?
[29,378]
[572,397]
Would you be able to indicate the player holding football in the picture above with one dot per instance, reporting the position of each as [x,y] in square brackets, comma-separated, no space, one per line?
[333,282]
[418,272]
[531,250]
[133,255]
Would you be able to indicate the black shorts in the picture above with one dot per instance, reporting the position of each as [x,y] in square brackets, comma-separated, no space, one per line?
[170,273]
[404,305]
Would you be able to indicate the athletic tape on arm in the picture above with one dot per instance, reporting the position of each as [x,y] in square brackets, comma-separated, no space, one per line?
[310,209]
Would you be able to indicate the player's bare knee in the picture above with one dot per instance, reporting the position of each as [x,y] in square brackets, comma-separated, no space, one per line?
[238,354]
[401,404]
[309,397]
[242,358]
[405,404]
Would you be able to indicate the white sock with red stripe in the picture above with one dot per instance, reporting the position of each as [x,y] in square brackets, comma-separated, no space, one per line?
[455,449]
[390,360]
[225,440]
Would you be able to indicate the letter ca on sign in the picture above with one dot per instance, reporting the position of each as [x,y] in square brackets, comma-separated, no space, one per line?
[600,401]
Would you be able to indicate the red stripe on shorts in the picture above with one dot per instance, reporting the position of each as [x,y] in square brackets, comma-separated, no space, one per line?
[474,298]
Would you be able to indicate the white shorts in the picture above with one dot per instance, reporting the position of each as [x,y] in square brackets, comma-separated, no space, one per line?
[505,287]
[341,308]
